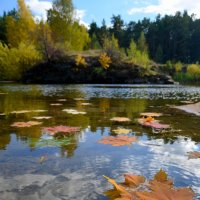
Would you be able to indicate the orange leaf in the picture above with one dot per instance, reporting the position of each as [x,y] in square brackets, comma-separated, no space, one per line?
[133,180]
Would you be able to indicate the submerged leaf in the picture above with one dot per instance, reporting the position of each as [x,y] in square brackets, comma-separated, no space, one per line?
[122,131]
[193,155]
[118,141]
[62,100]
[26,124]
[60,129]
[120,119]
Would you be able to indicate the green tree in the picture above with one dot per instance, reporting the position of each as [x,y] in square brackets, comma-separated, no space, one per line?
[142,44]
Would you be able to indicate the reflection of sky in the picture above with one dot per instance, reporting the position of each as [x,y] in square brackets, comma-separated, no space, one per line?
[172,158]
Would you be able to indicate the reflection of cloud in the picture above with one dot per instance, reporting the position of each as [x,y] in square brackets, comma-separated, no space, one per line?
[168,7]
[68,185]
[155,155]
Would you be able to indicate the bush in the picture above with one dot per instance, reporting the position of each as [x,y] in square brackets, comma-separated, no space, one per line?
[105,60]
[80,61]
[15,61]
[194,70]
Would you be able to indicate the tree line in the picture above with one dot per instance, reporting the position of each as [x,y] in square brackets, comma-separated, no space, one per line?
[24,41]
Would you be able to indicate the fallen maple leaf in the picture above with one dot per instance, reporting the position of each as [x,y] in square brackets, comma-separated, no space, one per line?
[120,119]
[26,124]
[136,188]
[133,180]
[118,141]
[193,155]
[162,191]
[60,129]
[122,131]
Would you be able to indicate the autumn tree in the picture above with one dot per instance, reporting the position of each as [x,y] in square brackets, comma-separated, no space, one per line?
[21,28]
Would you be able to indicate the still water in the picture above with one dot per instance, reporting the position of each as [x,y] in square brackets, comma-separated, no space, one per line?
[73,167]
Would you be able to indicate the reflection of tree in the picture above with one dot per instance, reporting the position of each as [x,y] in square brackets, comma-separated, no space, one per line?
[4,141]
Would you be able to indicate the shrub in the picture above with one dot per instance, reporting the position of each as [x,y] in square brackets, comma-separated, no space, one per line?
[194,70]
[105,60]
[15,61]
[178,66]
[80,61]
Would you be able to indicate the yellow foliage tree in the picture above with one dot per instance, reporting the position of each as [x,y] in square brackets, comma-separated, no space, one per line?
[22,28]
[194,70]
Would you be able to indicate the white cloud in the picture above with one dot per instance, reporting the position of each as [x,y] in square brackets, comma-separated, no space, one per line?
[79,15]
[39,8]
[169,7]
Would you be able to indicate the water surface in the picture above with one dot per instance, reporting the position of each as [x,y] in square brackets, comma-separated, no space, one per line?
[75,165]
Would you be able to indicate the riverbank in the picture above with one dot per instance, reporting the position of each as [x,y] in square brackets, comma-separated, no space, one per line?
[67,71]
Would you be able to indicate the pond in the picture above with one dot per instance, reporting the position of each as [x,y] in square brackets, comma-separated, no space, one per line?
[35,165]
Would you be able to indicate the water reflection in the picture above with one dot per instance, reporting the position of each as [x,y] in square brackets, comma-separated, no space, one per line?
[75,164]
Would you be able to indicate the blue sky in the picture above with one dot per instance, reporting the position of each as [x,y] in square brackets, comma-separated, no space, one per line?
[90,10]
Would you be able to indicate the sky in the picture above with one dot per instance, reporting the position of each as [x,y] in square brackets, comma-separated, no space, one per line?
[88,11]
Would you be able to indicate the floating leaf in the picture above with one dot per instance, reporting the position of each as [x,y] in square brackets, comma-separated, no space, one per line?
[74,112]
[86,104]
[62,100]
[136,188]
[193,155]
[79,99]
[27,111]
[133,180]
[118,187]
[56,104]
[39,111]
[161,191]
[154,124]
[118,141]
[122,131]
[2,114]
[120,119]
[42,117]
[190,108]
[26,124]
[150,114]
[20,111]
[60,129]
